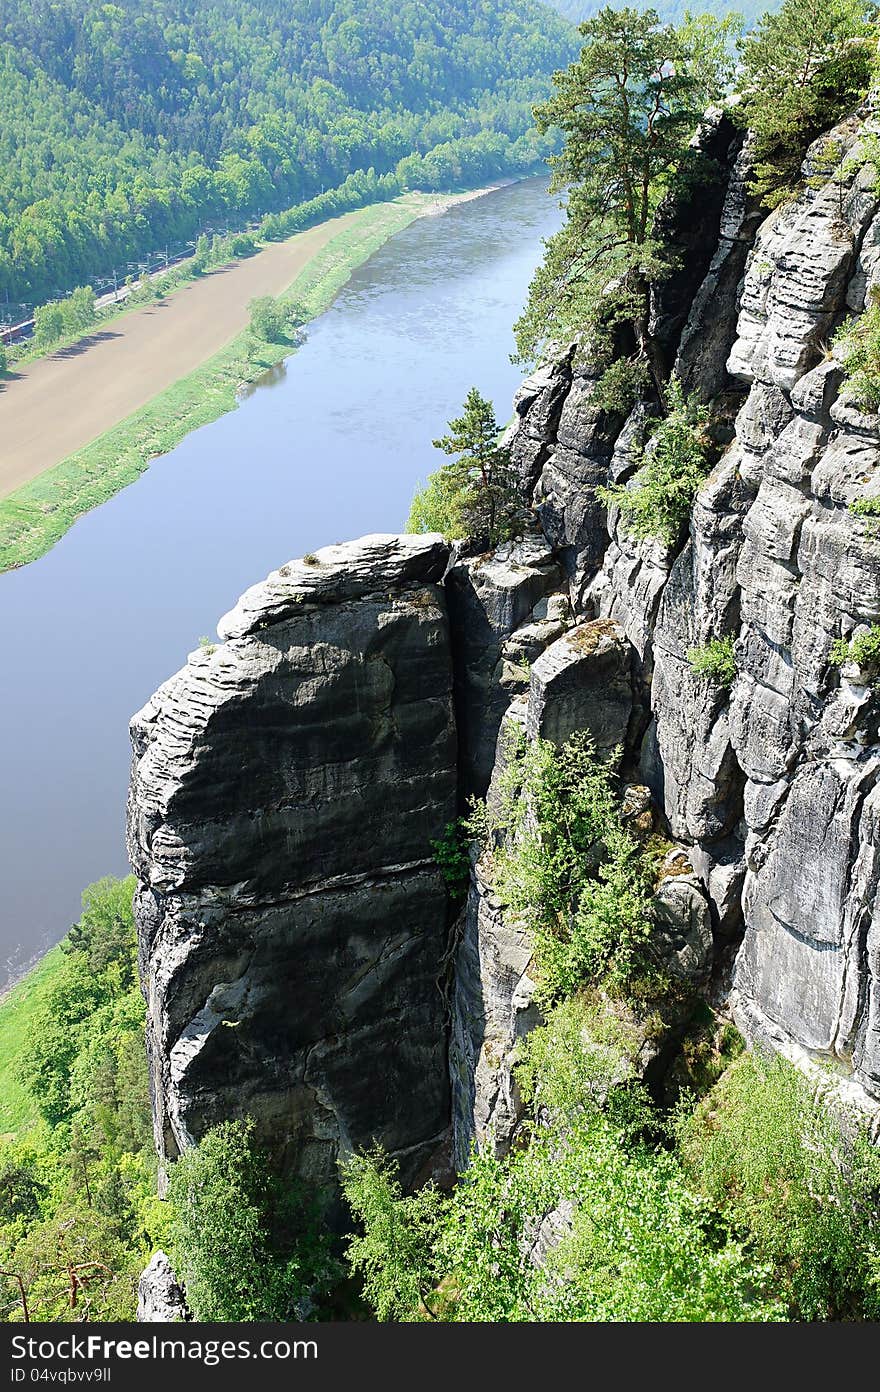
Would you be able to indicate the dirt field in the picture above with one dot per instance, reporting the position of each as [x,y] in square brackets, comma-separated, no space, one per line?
[54,406]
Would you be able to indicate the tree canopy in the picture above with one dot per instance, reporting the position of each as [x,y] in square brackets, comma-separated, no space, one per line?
[124,126]
[628,109]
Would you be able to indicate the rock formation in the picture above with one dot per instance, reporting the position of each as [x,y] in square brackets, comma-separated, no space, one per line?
[296,935]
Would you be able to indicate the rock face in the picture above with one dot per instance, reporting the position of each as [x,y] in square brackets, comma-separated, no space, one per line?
[287,786]
[293,924]
[771,785]
[161,1299]
[492,603]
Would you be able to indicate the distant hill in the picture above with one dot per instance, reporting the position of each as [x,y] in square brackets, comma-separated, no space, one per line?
[123,125]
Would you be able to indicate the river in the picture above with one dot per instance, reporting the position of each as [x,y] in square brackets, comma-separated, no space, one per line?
[329,447]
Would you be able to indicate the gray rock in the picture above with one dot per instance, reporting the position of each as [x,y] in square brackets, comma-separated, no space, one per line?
[161,1298]
[493,1009]
[684,923]
[293,924]
[583,681]
[490,598]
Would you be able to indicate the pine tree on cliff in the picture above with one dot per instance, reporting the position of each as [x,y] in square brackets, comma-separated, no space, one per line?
[476,494]
[803,68]
[628,109]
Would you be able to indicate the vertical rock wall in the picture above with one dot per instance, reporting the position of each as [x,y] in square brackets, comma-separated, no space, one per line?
[293,923]
[287,786]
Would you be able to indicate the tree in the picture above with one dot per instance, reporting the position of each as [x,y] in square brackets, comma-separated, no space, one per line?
[803,67]
[394,1253]
[244,1245]
[48,324]
[477,494]
[674,465]
[628,109]
[78,310]
[272,320]
[4,358]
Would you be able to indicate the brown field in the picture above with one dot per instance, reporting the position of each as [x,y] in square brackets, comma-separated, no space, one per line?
[54,406]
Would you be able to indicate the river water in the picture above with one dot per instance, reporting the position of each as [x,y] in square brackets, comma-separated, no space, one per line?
[328,448]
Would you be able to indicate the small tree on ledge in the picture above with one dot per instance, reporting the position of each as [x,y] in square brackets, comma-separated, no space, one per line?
[477,494]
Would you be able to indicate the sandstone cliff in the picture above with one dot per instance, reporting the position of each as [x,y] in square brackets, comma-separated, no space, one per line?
[296,935]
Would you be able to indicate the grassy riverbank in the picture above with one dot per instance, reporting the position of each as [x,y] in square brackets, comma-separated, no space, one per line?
[36,515]
[19,1007]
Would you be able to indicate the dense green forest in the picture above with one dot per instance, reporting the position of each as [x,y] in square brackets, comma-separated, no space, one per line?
[127,125]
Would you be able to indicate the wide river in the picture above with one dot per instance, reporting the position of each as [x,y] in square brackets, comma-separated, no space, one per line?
[329,448]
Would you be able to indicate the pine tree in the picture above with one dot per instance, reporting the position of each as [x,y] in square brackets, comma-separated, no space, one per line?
[628,109]
[477,494]
[803,68]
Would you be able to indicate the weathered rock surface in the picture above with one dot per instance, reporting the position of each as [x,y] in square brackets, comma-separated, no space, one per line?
[285,790]
[492,602]
[583,681]
[286,787]
[161,1299]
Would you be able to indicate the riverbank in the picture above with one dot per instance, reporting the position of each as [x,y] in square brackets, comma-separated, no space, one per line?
[95,417]
[19,1006]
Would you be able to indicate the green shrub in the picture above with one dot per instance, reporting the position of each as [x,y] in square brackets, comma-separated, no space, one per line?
[271,319]
[565,865]
[641,1245]
[865,507]
[674,465]
[776,1163]
[621,386]
[451,855]
[581,1063]
[864,651]
[245,1245]
[859,344]
[715,661]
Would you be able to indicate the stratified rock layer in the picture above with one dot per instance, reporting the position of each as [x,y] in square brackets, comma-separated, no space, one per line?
[285,790]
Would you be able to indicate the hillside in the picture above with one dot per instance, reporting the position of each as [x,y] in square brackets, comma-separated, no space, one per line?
[124,126]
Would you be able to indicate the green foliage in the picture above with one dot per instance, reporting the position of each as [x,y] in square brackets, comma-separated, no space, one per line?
[75,1191]
[621,385]
[394,1254]
[627,109]
[581,1064]
[776,1163]
[859,347]
[270,319]
[802,69]
[865,507]
[127,127]
[478,494]
[451,854]
[246,1246]
[61,318]
[640,1243]
[674,465]
[864,651]
[4,358]
[563,862]
[715,660]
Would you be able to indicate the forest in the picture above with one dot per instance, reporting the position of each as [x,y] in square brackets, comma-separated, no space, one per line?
[126,126]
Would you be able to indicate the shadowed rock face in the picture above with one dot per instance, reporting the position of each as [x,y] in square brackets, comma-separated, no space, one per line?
[285,790]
